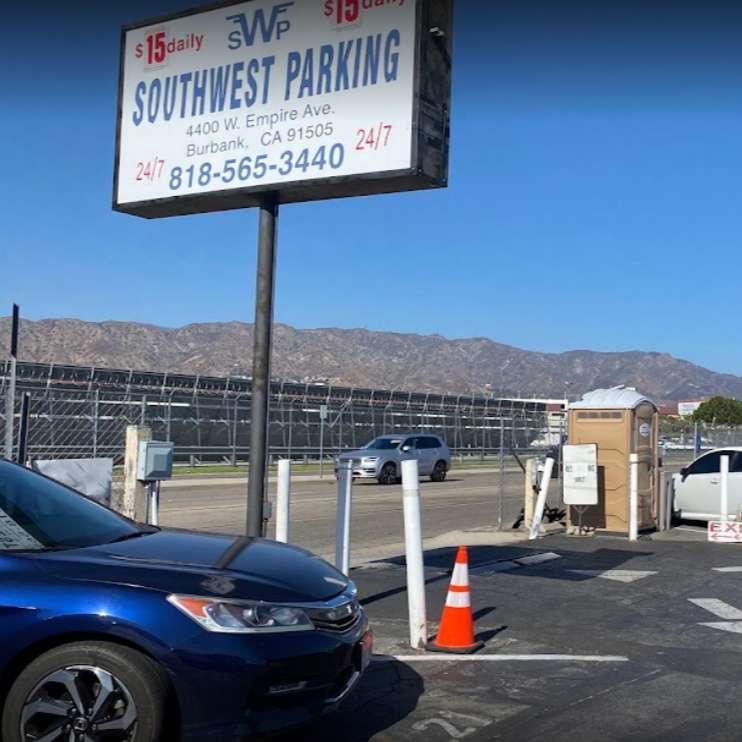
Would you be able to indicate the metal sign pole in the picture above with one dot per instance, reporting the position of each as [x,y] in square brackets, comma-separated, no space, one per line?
[23,429]
[322,417]
[261,364]
[10,398]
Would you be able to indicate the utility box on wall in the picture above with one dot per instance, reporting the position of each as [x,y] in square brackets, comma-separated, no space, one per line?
[620,421]
[155,461]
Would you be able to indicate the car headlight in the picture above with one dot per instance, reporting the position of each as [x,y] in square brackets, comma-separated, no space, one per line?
[238,617]
[370,459]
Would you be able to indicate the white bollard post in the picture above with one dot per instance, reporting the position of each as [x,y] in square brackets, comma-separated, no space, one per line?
[414,554]
[634,497]
[543,492]
[283,500]
[342,528]
[724,489]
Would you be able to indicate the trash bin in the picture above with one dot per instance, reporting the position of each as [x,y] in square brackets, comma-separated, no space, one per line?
[621,421]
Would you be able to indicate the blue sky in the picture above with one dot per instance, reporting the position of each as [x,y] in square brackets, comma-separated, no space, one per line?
[594,199]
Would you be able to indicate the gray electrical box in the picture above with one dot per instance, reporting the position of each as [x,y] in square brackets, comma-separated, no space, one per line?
[155,461]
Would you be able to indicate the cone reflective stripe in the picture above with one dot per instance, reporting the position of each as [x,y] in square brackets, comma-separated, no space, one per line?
[458,600]
[456,632]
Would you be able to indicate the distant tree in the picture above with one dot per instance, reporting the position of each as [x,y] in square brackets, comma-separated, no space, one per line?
[719,410]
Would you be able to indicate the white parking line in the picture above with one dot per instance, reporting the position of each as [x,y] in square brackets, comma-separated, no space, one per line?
[536,558]
[500,658]
[718,608]
[727,569]
[483,570]
[618,575]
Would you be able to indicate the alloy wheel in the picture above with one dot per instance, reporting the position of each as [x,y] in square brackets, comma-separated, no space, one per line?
[79,704]
[389,474]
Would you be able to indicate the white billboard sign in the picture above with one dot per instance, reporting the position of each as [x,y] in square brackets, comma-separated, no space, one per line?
[686,409]
[276,96]
[581,474]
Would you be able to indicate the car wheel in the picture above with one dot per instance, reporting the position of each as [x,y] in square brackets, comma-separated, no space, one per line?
[388,474]
[440,470]
[87,691]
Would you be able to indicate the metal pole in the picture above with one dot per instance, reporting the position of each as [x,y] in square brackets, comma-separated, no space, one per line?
[291,426]
[724,505]
[634,497]
[414,554]
[321,444]
[234,432]
[283,500]
[500,504]
[344,504]
[154,503]
[261,364]
[10,398]
[23,430]
[96,405]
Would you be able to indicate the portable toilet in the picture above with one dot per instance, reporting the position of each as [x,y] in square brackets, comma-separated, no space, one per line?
[621,421]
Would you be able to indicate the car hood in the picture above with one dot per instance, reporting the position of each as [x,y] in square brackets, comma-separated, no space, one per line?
[202,564]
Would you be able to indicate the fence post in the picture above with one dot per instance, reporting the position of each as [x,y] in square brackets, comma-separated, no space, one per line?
[234,431]
[283,500]
[133,503]
[344,504]
[662,507]
[96,412]
[414,555]
[23,429]
[10,381]
[529,502]
[634,497]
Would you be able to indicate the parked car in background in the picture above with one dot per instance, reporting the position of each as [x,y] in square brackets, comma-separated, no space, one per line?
[698,486]
[118,632]
[382,458]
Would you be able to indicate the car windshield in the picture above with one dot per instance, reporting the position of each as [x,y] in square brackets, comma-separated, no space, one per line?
[384,444]
[38,513]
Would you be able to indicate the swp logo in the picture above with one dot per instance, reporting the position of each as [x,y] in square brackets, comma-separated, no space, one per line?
[263,26]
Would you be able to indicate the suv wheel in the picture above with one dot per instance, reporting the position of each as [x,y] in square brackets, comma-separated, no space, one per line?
[440,470]
[87,691]
[388,474]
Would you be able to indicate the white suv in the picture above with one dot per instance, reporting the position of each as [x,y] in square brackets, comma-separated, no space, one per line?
[382,458]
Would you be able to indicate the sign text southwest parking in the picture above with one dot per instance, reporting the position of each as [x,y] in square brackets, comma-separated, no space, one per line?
[266,93]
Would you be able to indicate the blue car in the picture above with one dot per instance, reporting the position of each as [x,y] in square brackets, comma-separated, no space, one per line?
[111,630]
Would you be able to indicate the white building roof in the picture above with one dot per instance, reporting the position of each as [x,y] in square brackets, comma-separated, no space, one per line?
[616,398]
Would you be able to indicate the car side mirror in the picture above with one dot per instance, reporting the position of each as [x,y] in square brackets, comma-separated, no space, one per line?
[406,449]
[684,473]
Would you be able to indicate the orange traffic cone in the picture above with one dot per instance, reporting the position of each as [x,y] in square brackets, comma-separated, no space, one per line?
[456,632]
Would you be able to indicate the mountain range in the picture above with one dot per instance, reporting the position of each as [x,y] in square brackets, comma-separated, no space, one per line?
[364,358]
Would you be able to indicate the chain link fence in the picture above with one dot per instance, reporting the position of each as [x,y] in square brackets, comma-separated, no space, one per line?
[677,435]
[81,412]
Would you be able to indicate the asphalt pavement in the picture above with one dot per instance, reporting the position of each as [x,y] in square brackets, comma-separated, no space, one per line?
[586,639]
[603,640]
[466,501]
